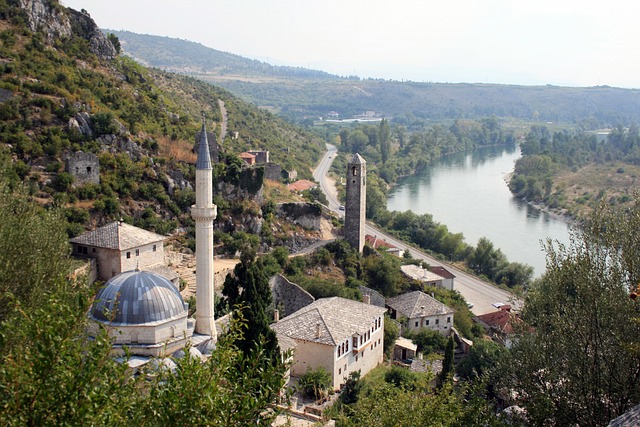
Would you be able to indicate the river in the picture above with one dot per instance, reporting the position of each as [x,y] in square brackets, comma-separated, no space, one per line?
[467,192]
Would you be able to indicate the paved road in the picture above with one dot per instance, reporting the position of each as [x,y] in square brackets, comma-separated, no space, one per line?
[474,290]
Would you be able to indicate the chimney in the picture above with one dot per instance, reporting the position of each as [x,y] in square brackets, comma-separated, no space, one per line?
[276,315]
[317,330]
[366,299]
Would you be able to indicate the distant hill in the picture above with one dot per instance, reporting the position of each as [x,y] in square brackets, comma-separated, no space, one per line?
[299,93]
[190,57]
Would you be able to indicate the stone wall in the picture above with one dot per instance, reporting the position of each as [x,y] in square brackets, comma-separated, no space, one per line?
[288,295]
[307,215]
[84,167]
[272,171]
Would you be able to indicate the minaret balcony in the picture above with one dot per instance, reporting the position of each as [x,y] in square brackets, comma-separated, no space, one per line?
[208,213]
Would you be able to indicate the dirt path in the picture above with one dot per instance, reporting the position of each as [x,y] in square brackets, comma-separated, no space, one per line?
[223,125]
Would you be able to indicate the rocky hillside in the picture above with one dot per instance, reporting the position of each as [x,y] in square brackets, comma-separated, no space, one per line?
[101,137]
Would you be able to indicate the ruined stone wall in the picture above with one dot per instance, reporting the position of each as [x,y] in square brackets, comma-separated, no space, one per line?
[272,171]
[306,215]
[288,295]
[84,167]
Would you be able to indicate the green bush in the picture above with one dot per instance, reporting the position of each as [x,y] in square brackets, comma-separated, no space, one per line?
[316,383]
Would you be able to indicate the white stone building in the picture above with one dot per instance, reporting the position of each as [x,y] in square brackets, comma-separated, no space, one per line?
[119,247]
[338,334]
[421,311]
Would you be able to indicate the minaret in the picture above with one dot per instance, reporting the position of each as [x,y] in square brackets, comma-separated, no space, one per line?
[203,213]
[354,209]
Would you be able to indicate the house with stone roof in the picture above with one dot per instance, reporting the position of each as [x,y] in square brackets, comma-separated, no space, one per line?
[421,311]
[118,247]
[338,334]
[423,275]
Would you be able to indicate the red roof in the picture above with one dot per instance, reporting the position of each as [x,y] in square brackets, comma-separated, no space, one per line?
[442,272]
[501,320]
[301,185]
[376,243]
[246,155]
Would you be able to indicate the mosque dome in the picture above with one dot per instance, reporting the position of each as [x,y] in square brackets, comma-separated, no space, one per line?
[138,298]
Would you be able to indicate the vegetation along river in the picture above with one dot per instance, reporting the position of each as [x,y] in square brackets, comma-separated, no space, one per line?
[468,193]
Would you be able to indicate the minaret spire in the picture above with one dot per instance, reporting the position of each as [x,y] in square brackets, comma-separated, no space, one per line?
[203,213]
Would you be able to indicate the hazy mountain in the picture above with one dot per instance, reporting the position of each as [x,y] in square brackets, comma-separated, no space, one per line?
[299,93]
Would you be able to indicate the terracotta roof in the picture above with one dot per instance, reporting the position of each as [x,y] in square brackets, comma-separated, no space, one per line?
[336,318]
[117,235]
[301,185]
[502,320]
[246,155]
[377,243]
[443,272]
[417,304]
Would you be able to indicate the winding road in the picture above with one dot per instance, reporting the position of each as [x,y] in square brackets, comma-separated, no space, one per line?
[482,294]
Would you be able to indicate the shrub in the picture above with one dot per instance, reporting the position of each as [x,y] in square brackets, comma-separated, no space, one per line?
[315,383]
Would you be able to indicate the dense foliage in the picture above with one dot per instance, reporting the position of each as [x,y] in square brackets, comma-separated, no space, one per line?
[547,156]
[53,373]
[577,360]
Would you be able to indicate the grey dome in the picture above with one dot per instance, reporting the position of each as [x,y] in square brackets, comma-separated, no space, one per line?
[136,298]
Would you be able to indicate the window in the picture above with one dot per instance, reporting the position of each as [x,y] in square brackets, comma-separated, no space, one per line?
[137,252]
[128,255]
[427,322]
[417,323]
[339,371]
[356,358]
[437,321]
[154,248]
[448,319]
[371,347]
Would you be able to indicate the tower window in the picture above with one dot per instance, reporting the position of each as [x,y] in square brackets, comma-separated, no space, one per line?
[88,169]
[354,171]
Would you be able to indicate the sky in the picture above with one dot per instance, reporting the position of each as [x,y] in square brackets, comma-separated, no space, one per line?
[557,42]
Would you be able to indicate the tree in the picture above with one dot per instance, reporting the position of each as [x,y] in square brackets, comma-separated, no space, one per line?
[315,383]
[248,291]
[577,361]
[391,334]
[351,389]
[483,357]
[384,133]
[447,363]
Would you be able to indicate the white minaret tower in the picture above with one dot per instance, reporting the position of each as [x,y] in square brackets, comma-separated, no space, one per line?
[203,213]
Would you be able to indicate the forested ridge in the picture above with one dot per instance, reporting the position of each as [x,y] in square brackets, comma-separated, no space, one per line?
[298,93]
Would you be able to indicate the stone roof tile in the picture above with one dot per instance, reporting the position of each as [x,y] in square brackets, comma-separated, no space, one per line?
[117,235]
[329,321]
[417,304]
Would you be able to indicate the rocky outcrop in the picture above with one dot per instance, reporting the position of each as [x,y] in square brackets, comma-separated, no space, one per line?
[306,215]
[55,21]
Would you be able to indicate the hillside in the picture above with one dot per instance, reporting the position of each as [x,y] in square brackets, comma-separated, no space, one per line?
[64,89]
[299,93]
[186,56]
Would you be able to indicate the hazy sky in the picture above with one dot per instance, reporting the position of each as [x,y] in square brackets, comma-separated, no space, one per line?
[559,42]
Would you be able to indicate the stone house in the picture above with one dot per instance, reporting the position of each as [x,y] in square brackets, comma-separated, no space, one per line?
[423,275]
[119,247]
[248,158]
[338,334]
[499,325]
[447,276]
[421,311]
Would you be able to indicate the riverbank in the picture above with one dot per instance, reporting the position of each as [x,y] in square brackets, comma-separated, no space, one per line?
[558,214]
